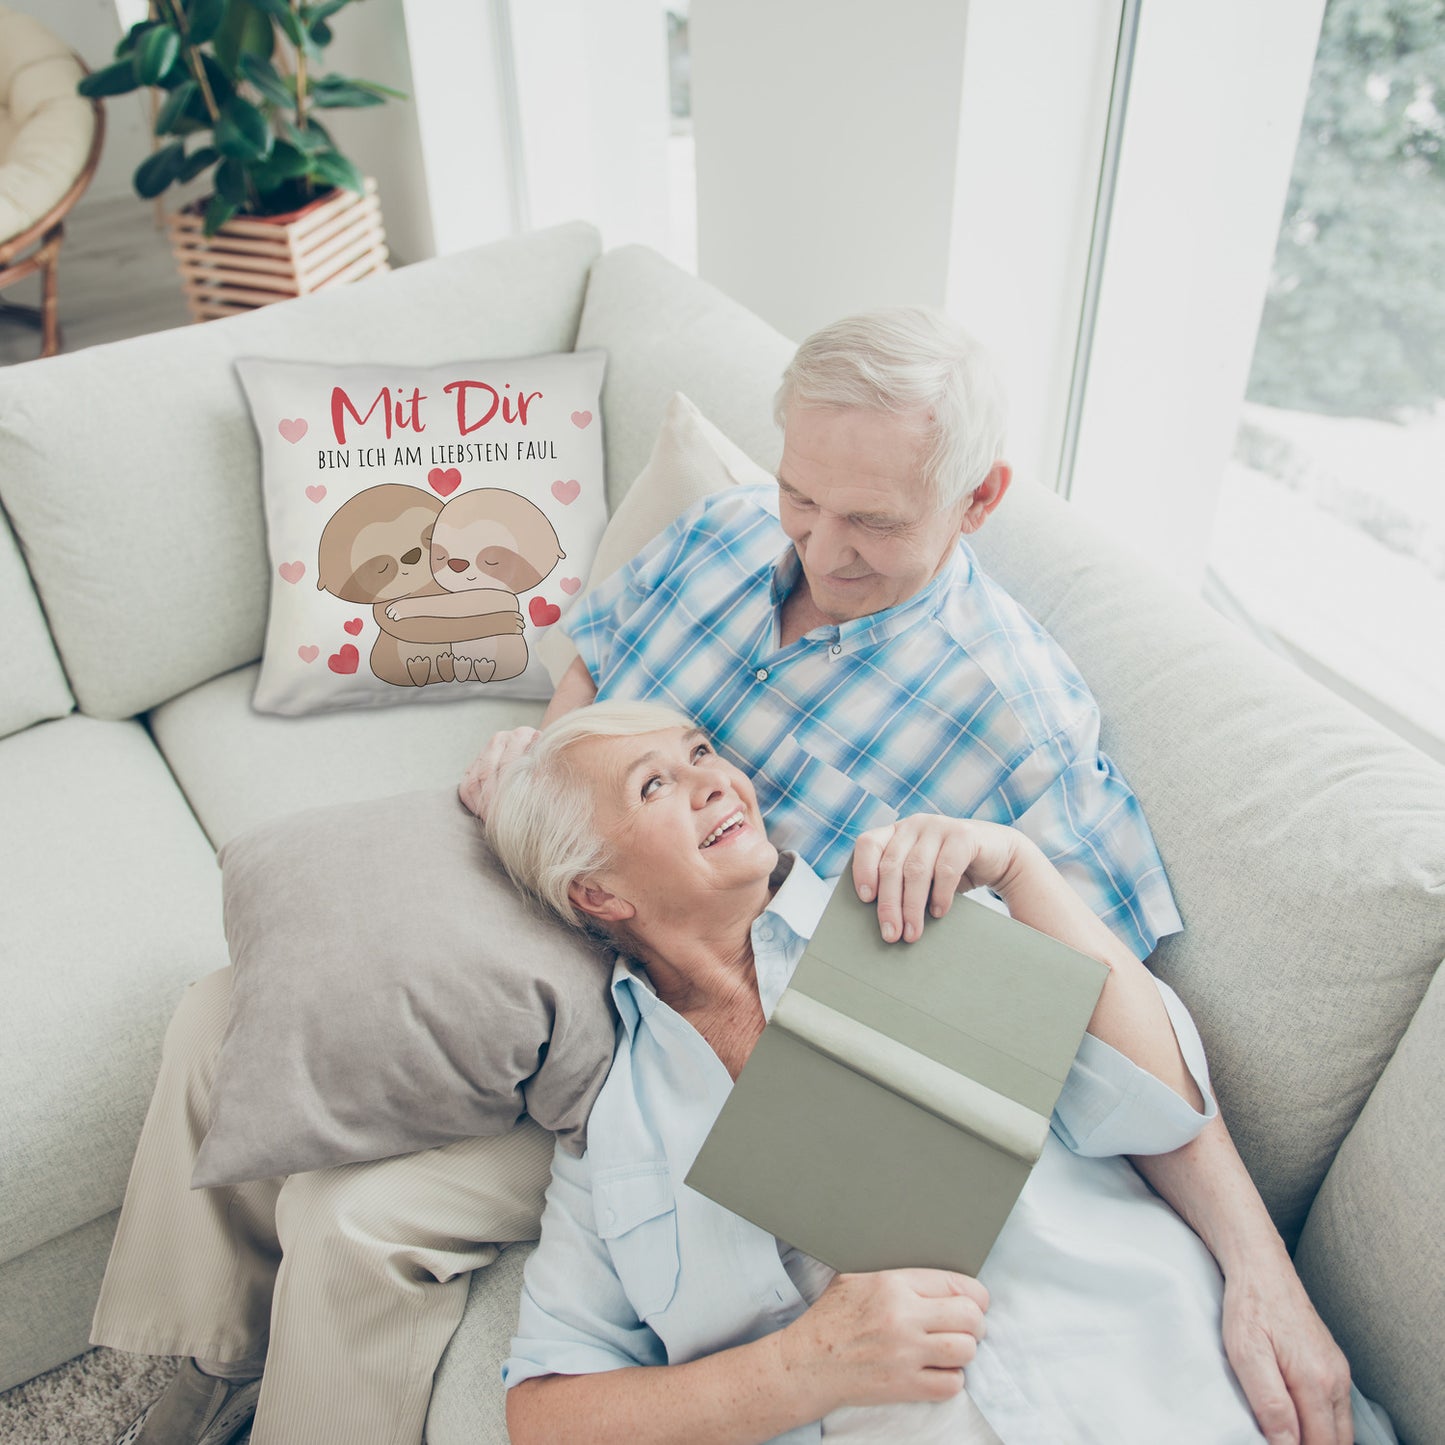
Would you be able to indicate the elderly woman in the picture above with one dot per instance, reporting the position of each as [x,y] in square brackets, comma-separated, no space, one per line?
[653,1314]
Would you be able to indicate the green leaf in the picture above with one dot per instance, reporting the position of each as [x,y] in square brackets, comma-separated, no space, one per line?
[313,140]
[287,163]
[333,92]
[203,19]
[324,11]
[157,171]
[242,132]
[131,38]
[158,50]
[218,213]
[285,17]
[197,161]
[117,79]
[278,89]
[222,85]
[319,33]
[244,31]
[231,182]
[378,89]
[333,168]
[174,110]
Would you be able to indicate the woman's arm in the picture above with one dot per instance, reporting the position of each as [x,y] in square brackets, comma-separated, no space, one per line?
[870,1339]
[917,865]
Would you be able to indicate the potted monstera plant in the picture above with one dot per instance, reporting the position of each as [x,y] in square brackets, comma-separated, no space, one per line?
[241,87]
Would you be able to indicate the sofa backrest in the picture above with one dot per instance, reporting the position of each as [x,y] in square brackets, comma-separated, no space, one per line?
[1302,841]
[35,688]
[131,472]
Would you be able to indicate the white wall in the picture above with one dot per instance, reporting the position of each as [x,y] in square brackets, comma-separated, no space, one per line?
[827,146]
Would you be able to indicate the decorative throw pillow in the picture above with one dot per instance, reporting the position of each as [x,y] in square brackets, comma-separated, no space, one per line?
[393,992]
[691,459]
[426,525]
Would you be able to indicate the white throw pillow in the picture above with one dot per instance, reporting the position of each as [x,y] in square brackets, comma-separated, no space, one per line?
[691,459]
[426,525]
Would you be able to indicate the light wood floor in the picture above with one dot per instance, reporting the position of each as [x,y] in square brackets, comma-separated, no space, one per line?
[117,279]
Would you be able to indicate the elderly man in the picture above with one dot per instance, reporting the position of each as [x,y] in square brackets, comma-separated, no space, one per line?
[838,640]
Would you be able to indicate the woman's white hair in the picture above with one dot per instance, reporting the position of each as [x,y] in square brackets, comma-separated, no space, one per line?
[542,820]
[908,360]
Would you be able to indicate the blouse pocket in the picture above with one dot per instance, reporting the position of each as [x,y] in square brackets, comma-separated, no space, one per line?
[637,1217]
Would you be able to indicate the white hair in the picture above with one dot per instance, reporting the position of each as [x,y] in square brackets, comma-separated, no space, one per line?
[542,820]
[908,360]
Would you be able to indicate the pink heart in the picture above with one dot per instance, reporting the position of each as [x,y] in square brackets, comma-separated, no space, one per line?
[317,494]
[444,483]
[354,626]
[308,653]
[581,419]
[344,661]
[293,431]
[566,492]
[544,614]
[571,584]
[293,572]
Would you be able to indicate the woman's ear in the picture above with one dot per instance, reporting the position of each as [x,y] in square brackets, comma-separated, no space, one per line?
[596,902]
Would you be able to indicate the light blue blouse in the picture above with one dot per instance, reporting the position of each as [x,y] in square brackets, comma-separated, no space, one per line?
[1105,1316]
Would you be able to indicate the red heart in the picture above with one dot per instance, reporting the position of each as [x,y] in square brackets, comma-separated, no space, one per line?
[293,431]
[544,614]
[444,483]
[293,572]
[571,584]
[344,661]
[353,627]
[566,492]
[308,653]
[581,419]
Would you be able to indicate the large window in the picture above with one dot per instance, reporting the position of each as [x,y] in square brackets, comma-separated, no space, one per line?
[1330,528]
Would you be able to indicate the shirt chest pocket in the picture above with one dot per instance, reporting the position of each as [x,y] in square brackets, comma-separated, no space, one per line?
[637,1218]
[819,810]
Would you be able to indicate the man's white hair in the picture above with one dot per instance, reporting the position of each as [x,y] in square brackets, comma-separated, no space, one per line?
[908,360]
[542,820]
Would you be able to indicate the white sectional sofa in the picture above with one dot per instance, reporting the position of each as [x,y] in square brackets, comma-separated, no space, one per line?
[1305,845]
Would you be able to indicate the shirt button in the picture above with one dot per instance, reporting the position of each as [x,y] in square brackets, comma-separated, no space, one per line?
[836,648]
[765,933]
[761,674]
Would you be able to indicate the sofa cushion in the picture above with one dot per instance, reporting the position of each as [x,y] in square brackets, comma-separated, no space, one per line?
[132,475]
[35,687]
[664,331]
[1301,840]
[110,906]
[1372,1254]
[393,993]
[239,767]
[415,556]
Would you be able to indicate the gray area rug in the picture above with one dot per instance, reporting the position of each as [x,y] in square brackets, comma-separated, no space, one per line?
[86,1402]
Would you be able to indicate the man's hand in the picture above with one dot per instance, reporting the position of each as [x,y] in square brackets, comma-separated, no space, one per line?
[1295,1377]
[479,780]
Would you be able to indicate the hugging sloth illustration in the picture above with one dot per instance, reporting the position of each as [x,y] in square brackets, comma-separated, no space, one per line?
[431,575]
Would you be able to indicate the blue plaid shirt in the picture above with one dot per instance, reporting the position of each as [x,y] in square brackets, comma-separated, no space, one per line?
[954,702]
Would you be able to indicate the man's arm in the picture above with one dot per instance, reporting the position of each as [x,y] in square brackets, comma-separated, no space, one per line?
[1295,1377]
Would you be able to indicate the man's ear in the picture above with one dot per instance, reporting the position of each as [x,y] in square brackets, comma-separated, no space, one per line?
[986,496]
[596,902]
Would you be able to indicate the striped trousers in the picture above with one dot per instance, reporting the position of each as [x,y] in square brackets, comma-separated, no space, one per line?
[348,1281]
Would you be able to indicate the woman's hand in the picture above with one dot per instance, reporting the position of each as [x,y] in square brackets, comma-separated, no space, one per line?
[918,864]
[479,780]
[899,1334]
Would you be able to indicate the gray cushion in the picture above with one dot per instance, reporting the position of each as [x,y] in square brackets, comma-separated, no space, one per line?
[35,687]
[393,993]
[1301,840]
[110,906]
[140,508]
[239,768]
[664,331]
[1373,1250]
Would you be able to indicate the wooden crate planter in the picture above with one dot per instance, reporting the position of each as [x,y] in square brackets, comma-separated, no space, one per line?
[255,260]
